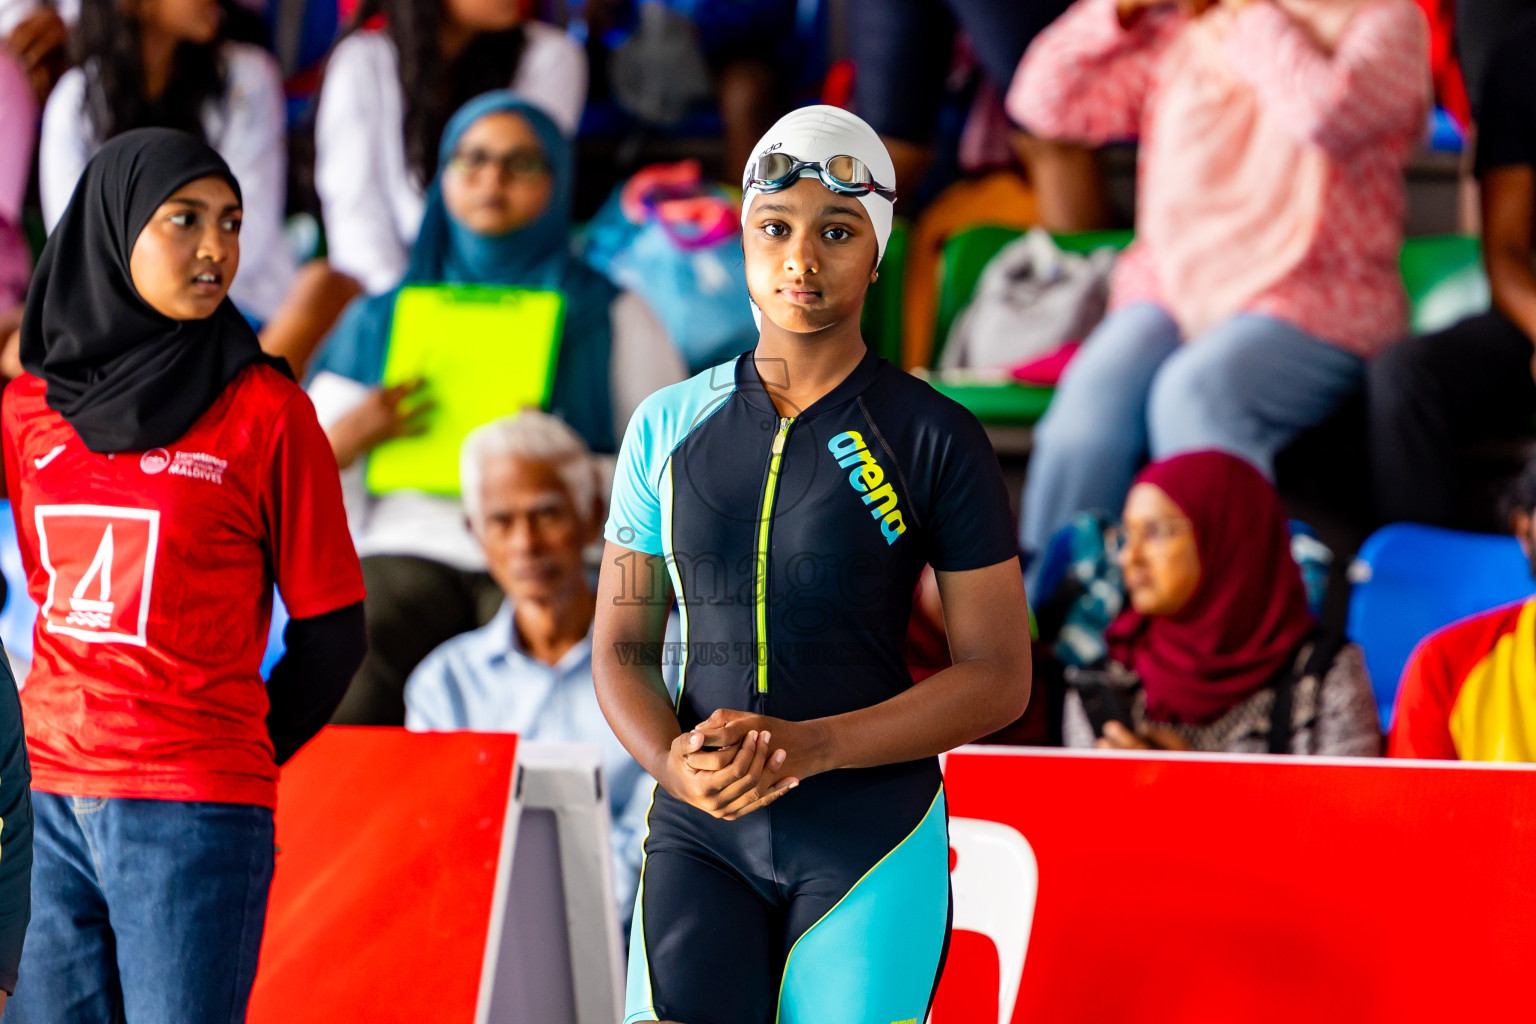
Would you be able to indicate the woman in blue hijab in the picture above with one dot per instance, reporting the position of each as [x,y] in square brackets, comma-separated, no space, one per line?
[497,213]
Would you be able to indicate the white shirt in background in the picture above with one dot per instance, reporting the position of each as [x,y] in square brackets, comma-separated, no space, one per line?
[14,12]
[248,127]
[370,198]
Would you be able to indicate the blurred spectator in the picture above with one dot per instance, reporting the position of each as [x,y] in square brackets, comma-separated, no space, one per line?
[1218,633]
[750,48]
[168,65]
[1468,691]
[498,213]
[388,94]
[1270,209]
[1481,27]
[18,132]
[671,54]
[36,35]
[902,51]
[1431,394]
[531,491]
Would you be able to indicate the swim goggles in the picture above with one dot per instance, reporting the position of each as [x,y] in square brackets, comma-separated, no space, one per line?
[846,175]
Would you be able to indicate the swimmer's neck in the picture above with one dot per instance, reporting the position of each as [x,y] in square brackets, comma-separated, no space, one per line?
[798,369]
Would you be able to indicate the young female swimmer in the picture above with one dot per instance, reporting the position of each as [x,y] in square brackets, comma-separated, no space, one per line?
[795,494]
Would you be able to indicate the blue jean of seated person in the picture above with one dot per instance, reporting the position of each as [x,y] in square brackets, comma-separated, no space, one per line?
[188,958]
[1248,386]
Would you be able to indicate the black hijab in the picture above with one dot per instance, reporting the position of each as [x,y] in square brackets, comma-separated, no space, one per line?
[125,376]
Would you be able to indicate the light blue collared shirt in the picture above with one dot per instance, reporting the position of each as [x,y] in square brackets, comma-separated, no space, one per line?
[486,681]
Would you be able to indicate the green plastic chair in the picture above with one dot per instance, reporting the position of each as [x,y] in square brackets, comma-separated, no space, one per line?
[881,324]
[1444,277]
[965,256]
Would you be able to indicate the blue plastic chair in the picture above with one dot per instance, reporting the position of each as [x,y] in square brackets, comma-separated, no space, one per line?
[19,615]
[1410,580]
[275,646]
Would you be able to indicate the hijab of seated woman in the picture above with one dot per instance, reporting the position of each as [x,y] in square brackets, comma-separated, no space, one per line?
[509,227]
[1217,606]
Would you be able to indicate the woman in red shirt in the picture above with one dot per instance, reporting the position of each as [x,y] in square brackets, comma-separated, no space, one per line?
[164,474]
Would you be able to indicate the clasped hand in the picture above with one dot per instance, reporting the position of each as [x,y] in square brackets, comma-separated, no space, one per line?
[1148,737]
[734,763]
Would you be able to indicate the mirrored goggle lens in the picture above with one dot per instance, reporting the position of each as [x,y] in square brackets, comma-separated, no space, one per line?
[772,167]
[849,170]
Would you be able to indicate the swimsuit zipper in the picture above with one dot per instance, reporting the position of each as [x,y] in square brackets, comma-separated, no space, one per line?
[760,586]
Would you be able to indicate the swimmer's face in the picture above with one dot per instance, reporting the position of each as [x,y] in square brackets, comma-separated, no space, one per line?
[498,178]
[186,257]
[810,256]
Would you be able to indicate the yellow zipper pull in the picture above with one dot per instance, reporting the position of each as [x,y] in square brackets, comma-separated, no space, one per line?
[778,439]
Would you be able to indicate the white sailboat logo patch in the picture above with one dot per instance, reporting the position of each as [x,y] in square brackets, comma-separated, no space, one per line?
[83,611]
[100,562]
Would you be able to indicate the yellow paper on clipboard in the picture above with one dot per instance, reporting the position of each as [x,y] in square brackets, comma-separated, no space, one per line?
[483,352]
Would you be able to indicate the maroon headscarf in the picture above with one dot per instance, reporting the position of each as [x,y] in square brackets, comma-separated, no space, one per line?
[1248,616]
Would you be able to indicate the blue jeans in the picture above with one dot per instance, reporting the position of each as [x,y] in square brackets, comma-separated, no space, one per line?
[1247,386]
[143,911]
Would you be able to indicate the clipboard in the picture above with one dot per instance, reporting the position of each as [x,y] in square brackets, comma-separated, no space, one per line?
[483,351]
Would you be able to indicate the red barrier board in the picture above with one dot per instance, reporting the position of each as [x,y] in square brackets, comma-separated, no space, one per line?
[388,845]
[1190,889]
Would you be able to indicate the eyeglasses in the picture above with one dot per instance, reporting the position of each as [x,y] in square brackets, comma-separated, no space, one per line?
[518,163]
[846,175]
[1153,531]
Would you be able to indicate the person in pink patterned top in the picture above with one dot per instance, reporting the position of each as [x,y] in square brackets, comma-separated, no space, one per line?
[18,131]
[1270,202]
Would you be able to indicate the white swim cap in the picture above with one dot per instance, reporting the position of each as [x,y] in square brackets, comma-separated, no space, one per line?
[817,134]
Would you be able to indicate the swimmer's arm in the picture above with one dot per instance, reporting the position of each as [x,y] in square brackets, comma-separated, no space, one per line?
[985,689]
[634,594]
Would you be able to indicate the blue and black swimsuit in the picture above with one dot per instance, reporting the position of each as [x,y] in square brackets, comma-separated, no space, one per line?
[794,545]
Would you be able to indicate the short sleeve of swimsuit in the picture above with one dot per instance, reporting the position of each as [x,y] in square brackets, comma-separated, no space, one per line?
[972,526]
[637,511]
[634,512]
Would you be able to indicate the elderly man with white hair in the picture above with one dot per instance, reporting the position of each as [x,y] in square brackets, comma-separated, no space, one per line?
[531,491]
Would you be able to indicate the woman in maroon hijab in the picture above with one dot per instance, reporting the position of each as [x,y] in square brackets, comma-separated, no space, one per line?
[1217,635]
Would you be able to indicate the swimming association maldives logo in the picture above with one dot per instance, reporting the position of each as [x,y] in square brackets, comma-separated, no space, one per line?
[192,465]
[154,461]
[200,466]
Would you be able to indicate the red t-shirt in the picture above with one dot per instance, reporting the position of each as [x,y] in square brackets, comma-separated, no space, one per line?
[153,572]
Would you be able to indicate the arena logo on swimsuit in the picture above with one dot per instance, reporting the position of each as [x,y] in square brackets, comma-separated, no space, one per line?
[868,478]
